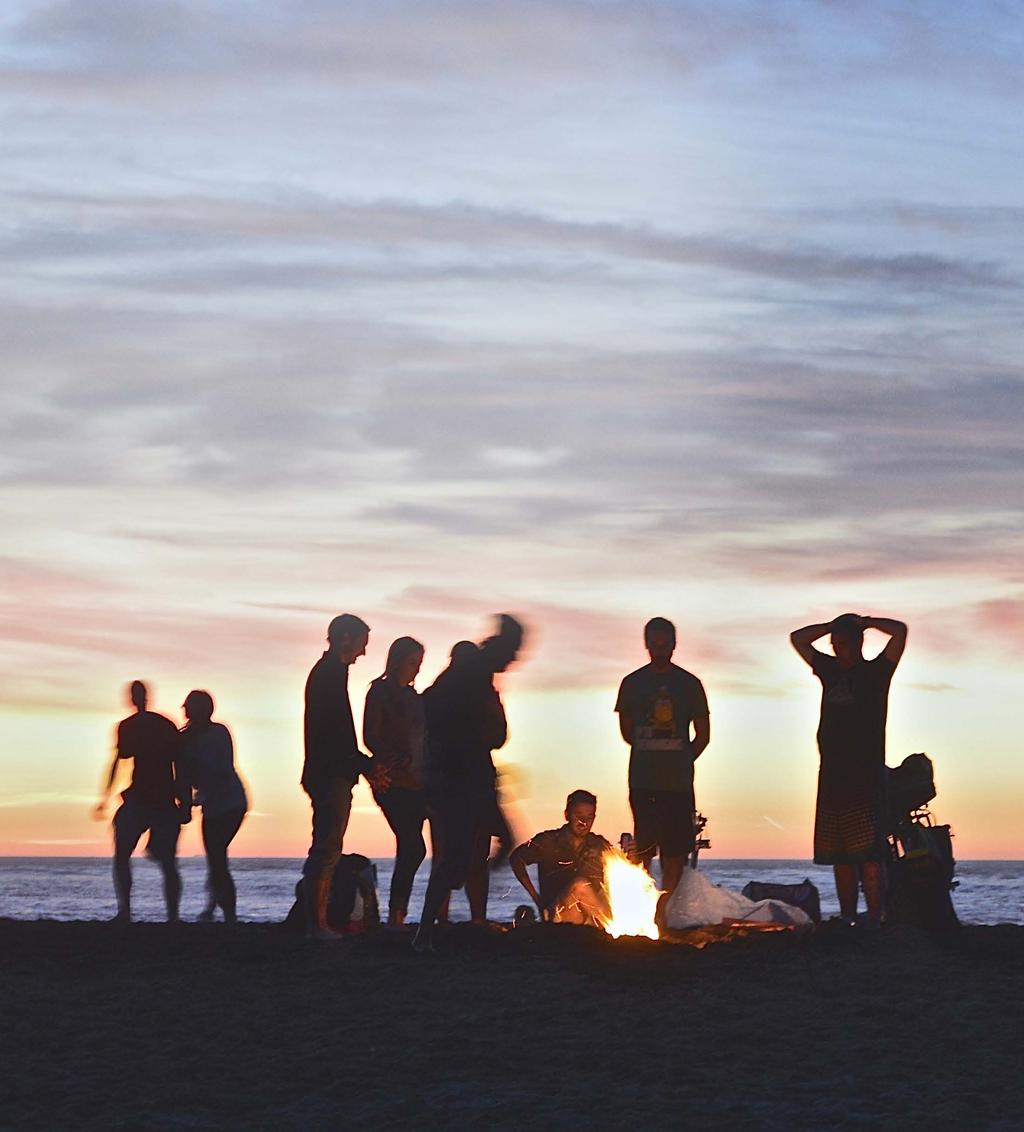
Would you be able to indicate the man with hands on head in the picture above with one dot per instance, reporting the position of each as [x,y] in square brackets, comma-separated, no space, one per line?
[849,822]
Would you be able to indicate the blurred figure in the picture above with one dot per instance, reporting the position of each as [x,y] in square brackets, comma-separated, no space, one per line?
[570,866]
[465,723]
[208,761]
[157,800]
[332,764]
[658,705]
[849,817]
[393,732]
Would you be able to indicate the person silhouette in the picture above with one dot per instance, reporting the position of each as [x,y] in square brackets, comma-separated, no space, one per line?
[465,723]
[157,800]
[332,763]
[208,762]
[393,732]
[658,706]
[849,814]
[570,866]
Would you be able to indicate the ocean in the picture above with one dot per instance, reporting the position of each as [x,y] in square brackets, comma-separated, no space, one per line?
[80,888]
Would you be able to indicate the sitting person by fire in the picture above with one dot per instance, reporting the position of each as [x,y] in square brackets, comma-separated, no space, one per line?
[570,866]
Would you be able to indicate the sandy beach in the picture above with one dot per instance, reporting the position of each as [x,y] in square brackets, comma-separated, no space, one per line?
[200,1028]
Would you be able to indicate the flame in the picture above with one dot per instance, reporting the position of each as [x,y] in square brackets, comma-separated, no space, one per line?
[633,897]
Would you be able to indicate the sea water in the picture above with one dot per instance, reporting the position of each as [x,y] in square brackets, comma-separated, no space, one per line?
[81,888]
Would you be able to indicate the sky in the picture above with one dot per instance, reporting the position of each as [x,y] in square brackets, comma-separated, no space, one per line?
[586,311]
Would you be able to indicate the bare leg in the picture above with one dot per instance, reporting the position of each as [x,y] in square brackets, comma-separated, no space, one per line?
[126,836]
[123,883]
[172,888]
[436,896]
[671,873]
[316,891]
[846,890]
[872,876]
[581,903]
[478,880]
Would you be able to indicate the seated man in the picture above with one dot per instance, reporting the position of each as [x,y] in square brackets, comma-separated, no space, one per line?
[570,866]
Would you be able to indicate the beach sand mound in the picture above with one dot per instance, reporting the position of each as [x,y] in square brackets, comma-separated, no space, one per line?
[197,1027]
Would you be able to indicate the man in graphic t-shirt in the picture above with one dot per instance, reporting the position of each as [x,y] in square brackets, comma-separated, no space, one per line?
[663,716]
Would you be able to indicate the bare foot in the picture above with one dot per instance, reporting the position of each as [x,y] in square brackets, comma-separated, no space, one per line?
[323,934]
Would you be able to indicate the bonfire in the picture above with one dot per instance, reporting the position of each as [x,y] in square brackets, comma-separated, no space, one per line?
[633,897]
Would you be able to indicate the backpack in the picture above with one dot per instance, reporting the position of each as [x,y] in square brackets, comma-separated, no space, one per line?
[803,895]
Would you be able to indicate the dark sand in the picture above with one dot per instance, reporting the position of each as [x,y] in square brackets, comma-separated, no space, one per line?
[197,1027]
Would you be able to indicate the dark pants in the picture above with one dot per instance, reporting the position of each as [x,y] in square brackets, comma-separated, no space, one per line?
[332,807]
[459,821]
[405,811]
[464,820]
[131,821]
[218,833]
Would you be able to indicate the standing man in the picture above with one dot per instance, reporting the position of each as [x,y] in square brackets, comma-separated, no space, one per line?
[849,818]
[663,716]
[333,763]
[158,800]
[465,723]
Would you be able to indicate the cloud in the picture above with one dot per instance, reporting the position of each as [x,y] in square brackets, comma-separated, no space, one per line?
[478,243]
[1003,620]
[455,42]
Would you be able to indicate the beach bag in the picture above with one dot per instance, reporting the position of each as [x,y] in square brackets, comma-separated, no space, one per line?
[352,905]
[910,786]
[803,895]
[921,879]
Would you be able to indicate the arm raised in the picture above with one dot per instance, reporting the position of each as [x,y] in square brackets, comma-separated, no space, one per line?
[897,633]
[803,639]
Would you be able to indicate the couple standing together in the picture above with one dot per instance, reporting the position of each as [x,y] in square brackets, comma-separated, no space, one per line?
[173,771]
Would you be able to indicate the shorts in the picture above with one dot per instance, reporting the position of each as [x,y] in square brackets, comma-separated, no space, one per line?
[134,817]
[662,822]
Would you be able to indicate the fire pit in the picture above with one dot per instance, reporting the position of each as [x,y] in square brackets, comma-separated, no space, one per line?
[633,897]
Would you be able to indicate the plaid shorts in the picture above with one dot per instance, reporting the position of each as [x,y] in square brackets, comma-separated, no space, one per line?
[848,832]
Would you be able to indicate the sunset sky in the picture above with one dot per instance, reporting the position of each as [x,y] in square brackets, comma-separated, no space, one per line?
[586,311]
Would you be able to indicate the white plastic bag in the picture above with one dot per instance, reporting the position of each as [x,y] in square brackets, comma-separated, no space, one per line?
[697,903]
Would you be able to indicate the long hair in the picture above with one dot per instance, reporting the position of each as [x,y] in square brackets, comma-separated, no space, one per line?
[200,710]
[400,651]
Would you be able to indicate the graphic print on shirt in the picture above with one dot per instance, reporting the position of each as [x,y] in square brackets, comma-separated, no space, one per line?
[657,729]
[842,692]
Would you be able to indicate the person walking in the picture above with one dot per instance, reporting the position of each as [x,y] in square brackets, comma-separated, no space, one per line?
[393,733]
[157,800]
[208,761]
[465,723]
